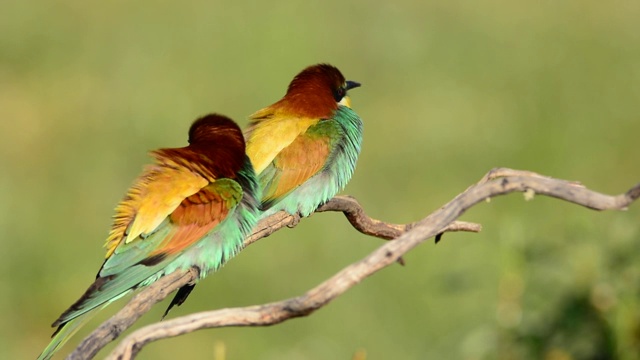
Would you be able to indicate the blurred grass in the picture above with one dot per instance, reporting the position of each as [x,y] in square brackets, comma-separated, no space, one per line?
[450,90]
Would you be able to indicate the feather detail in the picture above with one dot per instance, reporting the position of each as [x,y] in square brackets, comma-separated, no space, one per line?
[343,136]
[157,193]
[267,136]
[304,146]
[198,214]
[311,92]
[294,165]
[192,207]
[216,150]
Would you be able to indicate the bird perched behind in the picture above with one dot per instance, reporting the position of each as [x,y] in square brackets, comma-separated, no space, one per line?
[304,147]
[193,207]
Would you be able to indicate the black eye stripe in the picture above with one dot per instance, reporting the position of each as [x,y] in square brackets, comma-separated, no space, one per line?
[339,93]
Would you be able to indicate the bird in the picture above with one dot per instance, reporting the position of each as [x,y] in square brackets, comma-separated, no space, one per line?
[192,207]
[304,147]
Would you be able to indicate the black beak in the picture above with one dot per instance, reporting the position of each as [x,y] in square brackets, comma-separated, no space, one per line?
[352,84]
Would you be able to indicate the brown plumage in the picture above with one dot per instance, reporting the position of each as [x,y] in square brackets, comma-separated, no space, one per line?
[192,207]
[179,176]
[296,165]
[310,137]
[311,94]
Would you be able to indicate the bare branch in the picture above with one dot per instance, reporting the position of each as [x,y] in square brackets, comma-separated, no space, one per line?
[143,301]
[138,306]
[497,182]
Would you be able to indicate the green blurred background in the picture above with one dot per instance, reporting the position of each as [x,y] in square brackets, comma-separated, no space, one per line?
[450,90]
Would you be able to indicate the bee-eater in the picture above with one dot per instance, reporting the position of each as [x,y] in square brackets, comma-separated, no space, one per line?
[193,207]
[304,147]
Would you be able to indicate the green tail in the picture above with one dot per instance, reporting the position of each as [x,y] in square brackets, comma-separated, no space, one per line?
[95,299]
[64,333]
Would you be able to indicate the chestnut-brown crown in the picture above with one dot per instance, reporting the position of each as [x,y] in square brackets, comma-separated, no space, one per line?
[323,78]
[214,128]
[315,91]
[216,143]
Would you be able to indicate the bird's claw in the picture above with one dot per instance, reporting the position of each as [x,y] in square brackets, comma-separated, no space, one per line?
[295,220]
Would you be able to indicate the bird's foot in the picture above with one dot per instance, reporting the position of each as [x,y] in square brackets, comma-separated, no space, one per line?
[295,220]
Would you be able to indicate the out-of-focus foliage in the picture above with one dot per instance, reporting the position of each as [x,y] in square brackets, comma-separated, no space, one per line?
[450,90]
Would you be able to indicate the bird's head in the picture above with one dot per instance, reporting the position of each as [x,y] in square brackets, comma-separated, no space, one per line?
[320,88]
[220,139]
[214,128]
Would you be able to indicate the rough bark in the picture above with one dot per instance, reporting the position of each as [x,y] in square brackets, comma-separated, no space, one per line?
[496,182]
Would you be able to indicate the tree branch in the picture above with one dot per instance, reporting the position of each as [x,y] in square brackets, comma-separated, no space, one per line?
[497,182]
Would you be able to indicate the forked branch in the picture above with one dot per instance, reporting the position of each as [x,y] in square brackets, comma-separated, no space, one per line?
[497,182]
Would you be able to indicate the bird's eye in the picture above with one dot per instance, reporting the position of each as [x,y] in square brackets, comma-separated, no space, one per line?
[339,93]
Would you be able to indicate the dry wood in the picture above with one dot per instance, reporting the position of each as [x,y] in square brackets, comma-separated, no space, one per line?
[497,182]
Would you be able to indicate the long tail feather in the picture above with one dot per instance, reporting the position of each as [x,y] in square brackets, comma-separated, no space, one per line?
[64,333]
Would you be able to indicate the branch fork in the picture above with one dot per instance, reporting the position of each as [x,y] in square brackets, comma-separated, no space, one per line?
[498,181]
